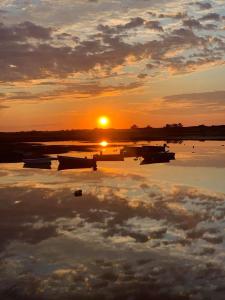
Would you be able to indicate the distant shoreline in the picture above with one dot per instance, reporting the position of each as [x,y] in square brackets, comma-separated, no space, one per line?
[123,135]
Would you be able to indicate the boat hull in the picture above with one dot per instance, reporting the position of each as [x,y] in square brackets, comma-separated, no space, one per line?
[162,156]
[37,161]
[128,151]
[66,162]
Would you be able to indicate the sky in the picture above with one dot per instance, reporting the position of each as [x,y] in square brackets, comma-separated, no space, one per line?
[64,63]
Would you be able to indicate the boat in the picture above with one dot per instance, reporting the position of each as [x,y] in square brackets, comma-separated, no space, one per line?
[159,156]
[137,151]
[108,157]
[70,162]
[153,149]
[130,151]
[37,161]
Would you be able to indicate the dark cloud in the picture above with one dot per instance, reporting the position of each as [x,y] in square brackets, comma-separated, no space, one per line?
[155,25]
[24,31]
[23,58]
[185,65]
[75,90]
[210,17]
[192,23]
[152,14]
[179,15]
[195,24]
[210,102]
[214,96]
[133,23]
[142,75]
[204,5]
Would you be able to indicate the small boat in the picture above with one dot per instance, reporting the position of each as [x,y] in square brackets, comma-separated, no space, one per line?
[108,157]
[131,151]
[153,149]
[159,156]
[69,162]
[37,161]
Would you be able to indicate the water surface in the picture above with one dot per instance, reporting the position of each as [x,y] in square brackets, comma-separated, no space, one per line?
[137,230]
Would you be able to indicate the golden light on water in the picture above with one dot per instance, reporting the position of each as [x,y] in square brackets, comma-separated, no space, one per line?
[104,144]
[103,121]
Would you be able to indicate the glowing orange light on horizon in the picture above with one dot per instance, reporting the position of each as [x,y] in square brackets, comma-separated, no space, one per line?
[103,121]
[104,144]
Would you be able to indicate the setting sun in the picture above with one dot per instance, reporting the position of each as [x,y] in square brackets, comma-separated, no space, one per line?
[103,121]
[104,144]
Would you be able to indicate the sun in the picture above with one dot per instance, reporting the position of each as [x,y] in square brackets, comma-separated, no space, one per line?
[103,121]
[104,143]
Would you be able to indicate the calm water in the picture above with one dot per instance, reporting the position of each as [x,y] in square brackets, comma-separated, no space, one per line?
[137,230]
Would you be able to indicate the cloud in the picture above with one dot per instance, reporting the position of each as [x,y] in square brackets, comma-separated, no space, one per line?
[87,51]
[178,16]
[27,60]
[192,23]
[155,25]
[211,17]
[133,23]
[204,5]
[142,75]
[201,102]
[214,96]
[24,31]
[70,90]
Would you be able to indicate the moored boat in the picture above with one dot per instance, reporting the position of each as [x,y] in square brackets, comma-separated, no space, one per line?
[159,156]
[153,149]
[37,161]
[70,162]
[130,151]
[137,151]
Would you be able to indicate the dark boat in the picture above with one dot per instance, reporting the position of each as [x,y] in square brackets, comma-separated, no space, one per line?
[153,149]
[131,151]
[69,162]
[161,156]
[37,161]
[108,157]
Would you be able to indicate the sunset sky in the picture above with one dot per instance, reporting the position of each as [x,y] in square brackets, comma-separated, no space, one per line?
[65,63]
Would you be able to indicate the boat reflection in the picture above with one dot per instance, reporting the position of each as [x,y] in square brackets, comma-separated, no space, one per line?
[46,166]
[108,157]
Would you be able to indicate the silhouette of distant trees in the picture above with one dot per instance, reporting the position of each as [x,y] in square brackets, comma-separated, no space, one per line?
[134,126]
[175,125]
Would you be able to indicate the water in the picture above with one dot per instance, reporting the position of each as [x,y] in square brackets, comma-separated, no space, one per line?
[137,230]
